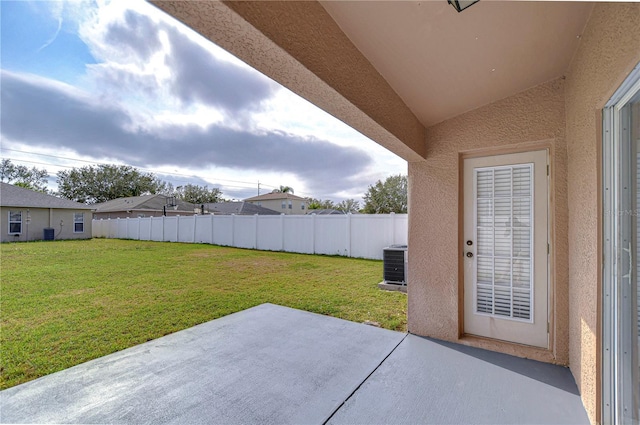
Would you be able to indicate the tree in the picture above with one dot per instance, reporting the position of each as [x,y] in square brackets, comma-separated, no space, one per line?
[198,194]
[387,197]
[167,189]
[319,204]
[348,206]
[101,183]
[283,189]
[19,175]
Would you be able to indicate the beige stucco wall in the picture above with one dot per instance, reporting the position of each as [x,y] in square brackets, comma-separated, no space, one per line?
[609,49]
[276,205]
[567,113]
[59,219]
[535,116]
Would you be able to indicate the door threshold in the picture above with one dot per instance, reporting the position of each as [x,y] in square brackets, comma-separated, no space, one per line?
[514,349]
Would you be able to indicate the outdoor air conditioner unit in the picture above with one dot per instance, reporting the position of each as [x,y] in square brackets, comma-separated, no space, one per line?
[394,259]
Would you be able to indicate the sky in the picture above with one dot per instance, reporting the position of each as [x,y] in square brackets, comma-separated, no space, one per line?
[121,82]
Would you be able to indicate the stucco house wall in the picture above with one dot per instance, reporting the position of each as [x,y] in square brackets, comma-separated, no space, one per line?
[531,119]
[276,205]
[609,49]
[274,201]
[61,220]
[565,114]
[40,211]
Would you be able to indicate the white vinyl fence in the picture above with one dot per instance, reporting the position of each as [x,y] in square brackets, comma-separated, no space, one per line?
[359,235]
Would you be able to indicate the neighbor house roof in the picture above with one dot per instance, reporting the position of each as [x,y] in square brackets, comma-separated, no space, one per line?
[144,202]
[274,196]
[327,211]
[14,196]
[240,208]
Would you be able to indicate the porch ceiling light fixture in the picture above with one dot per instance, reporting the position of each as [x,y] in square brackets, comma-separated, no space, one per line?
[461,5]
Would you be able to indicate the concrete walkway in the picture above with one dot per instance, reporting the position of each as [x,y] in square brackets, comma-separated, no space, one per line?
[275,365]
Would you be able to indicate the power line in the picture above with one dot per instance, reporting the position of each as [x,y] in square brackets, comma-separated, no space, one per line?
[250,185]
[106,163]
[69,166]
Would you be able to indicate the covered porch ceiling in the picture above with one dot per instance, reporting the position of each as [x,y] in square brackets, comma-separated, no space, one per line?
[391,69]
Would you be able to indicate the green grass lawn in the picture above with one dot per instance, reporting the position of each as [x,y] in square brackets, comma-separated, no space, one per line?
[63,303]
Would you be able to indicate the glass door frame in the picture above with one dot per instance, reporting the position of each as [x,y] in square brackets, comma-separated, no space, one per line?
[619,279]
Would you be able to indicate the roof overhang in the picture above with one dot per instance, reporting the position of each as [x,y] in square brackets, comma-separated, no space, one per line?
[390,69]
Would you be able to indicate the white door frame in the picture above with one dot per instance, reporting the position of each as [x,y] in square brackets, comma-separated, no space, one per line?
[533,331]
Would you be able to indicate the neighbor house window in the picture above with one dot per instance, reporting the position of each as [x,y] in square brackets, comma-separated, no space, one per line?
[284,204]
[302,206]
[15,222]
[78,222]
[290,204]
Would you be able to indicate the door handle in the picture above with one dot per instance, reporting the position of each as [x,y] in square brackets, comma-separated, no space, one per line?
[469,254]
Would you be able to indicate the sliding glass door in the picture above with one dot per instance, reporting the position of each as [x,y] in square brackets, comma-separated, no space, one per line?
[621,238]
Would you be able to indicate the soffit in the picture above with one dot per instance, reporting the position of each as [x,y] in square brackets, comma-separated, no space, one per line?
[297,44]
[442,63]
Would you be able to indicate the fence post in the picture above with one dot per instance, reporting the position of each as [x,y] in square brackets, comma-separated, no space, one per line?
[212,224]
[163,228]
[348,234]
[233,230]
[195,223]
[313,231]
[282,232]
[150,228]
[393,227]
[177,228]
[255,228]
[138,219]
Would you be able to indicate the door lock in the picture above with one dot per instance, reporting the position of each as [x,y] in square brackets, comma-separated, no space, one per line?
[469,254]
[469,243]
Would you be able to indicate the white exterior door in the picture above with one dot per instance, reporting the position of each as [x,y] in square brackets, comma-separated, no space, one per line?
[506,247]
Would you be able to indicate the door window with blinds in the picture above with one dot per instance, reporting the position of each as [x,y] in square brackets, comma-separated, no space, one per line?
[504,199]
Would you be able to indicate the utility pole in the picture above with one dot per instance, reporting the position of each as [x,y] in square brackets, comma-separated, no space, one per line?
[258,187]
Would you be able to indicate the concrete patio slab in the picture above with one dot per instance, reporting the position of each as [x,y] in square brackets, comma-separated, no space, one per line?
[276,365]
[266,365]
[433,382]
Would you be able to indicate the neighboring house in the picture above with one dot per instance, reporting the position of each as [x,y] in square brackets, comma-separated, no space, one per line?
[285,203]
[519,122]
[238,208]
[25,214]
[143,206]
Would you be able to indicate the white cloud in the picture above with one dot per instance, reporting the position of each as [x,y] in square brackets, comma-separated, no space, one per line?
[163,97]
